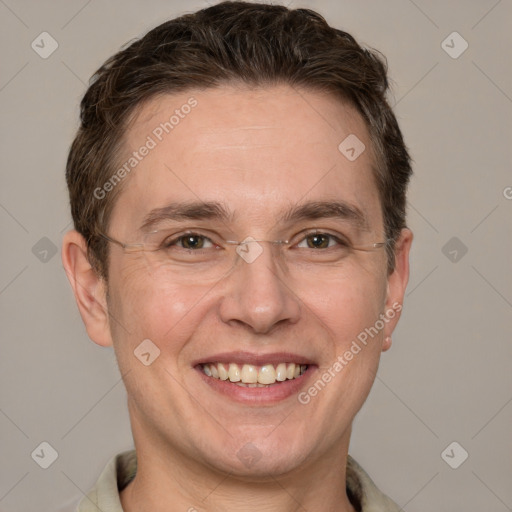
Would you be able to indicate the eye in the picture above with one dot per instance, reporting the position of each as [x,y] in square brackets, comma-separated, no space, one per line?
[318,240]
[189,241]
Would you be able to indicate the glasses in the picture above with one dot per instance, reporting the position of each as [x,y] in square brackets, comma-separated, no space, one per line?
[201,254]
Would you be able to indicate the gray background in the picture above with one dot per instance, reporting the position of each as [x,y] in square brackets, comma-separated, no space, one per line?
[447,377]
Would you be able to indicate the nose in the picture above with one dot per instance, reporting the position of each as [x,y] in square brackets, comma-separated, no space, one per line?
[257,294]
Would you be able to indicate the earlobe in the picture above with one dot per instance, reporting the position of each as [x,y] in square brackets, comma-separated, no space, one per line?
[397,283]
[89,289]
[386,345]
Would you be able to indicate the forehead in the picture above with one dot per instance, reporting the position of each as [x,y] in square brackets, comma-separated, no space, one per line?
[254,150]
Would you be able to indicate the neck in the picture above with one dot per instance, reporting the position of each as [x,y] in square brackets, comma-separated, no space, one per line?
[168,478]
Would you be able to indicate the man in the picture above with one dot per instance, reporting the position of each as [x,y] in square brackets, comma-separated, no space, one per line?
[238,192]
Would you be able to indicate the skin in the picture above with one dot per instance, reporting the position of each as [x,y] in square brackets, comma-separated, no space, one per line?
[257,151]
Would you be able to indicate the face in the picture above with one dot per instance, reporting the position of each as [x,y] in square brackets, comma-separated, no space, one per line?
[257,154]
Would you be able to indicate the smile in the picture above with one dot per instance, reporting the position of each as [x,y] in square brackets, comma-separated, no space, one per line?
[248,375]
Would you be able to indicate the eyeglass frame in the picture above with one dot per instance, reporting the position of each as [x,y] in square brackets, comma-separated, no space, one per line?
[371,247]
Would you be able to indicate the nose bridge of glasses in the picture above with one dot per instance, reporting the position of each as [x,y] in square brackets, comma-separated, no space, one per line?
[250,249]
[250,240]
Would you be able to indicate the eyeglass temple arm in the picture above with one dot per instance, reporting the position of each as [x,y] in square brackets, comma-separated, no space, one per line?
[117,242]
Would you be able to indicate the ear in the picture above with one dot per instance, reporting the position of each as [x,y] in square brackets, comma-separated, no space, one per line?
[89,289]
[397,283]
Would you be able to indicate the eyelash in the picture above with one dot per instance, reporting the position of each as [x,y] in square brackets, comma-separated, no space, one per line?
[166,244]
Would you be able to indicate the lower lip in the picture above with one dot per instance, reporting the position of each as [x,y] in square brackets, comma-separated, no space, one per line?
[262,396]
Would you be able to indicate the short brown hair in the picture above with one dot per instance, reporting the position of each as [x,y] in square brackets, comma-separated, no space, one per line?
[231,42]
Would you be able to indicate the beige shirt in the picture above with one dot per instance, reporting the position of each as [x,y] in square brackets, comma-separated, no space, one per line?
[120,471]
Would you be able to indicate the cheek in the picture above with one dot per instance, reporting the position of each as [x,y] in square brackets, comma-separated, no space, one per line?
[350,317]
[348,306]
[144,306]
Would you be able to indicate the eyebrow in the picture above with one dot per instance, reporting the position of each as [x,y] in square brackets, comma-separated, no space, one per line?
[212,210]
[197,210]
[327,209]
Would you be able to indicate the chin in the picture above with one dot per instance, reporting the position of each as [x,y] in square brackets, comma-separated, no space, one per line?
[261,459]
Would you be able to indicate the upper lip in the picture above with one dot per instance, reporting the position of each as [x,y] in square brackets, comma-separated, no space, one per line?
[240,357]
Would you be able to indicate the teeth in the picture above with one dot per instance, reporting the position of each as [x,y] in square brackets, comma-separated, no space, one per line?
[234,372]
[254,376]
[249,374]
[223,373]
[281,372]
[267,374]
